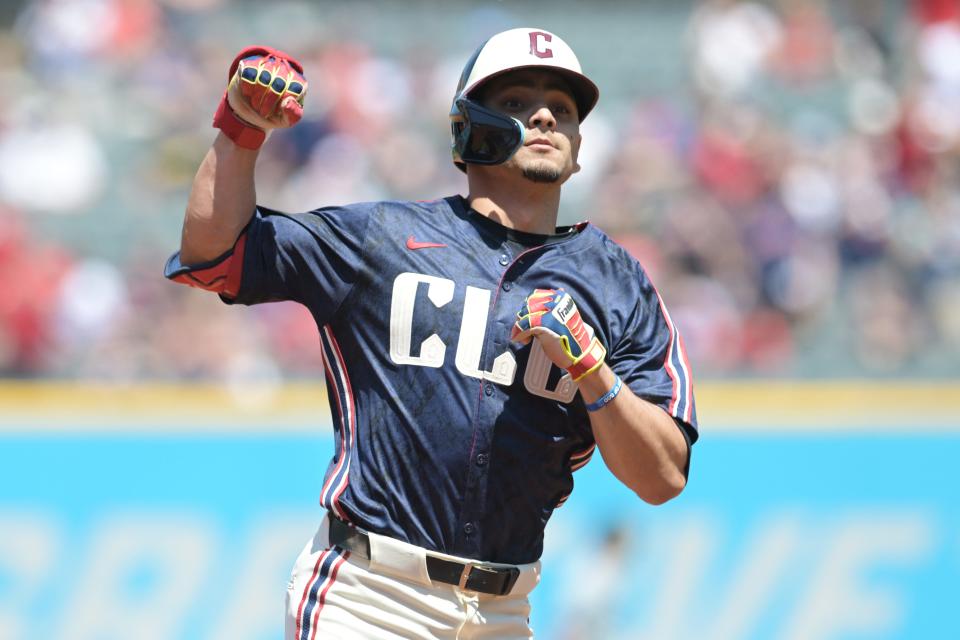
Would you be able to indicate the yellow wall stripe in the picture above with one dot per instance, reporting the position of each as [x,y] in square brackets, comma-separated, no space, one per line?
[723,407]
[158,408]
[830,406]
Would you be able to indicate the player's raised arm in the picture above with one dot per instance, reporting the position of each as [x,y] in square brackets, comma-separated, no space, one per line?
[265,91]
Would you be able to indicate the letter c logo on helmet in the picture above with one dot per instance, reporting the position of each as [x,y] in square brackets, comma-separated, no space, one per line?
[535,37]
[483,136]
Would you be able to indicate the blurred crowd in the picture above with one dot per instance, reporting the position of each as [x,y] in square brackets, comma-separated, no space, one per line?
[791,186]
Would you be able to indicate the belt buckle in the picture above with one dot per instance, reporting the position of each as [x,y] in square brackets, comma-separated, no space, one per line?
[465,575]
[511,578]
[482,569]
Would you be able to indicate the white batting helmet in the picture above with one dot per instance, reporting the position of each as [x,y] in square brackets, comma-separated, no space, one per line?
[483,136]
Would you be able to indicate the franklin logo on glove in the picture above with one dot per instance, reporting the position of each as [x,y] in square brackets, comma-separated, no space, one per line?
[565,308]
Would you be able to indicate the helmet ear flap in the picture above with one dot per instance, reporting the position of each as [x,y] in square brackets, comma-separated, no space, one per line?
[457,145]
[458,126]
[482,135]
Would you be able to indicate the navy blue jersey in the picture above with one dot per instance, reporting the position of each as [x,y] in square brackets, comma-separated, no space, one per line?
[448,435]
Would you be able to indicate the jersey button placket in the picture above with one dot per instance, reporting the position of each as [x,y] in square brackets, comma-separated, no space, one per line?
[505,260]
[476,482]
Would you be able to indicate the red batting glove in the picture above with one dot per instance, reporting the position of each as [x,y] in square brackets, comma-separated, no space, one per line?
[552,317]
[266,91]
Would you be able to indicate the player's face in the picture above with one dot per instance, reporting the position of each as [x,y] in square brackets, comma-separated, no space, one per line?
[543,101]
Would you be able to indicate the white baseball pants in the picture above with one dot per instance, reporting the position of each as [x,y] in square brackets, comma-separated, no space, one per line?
[333,594]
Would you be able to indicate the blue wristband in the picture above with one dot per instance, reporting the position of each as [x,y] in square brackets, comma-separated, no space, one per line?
[606,398]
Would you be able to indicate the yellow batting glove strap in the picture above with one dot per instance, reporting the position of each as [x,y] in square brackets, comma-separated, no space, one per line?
[590,361]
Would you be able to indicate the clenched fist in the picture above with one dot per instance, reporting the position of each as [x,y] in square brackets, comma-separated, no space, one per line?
[551,316]
[266,91]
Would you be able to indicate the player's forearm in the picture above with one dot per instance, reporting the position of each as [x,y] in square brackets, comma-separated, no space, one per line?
[639,442]
[222,201]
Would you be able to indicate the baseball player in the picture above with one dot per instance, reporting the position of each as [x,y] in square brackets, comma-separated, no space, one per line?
[476,355]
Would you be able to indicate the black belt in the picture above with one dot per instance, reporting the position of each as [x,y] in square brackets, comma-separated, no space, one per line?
[472,577]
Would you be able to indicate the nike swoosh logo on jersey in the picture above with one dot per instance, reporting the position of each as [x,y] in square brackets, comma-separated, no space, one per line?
[413,244]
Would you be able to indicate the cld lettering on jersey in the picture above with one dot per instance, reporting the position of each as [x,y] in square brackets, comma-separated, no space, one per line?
[470,342]
[432,350]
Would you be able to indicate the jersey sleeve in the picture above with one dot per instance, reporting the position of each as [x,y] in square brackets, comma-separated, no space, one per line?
[651,359]
[312,258]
